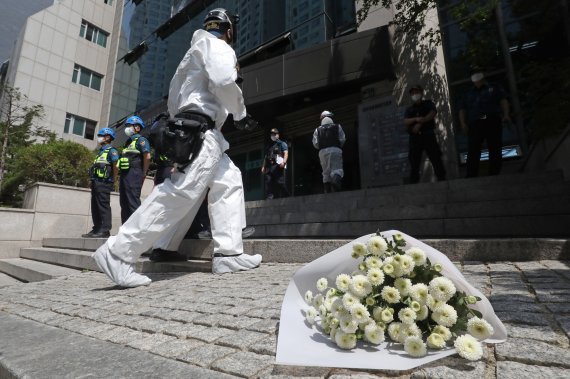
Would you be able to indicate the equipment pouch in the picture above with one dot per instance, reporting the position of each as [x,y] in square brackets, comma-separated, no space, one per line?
[124,163]
[178,139]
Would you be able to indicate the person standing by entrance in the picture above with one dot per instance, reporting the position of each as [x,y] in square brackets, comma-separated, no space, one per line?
[329,138]
[104,173]
[274,167]
[420,124]
[133,164]
[483,112]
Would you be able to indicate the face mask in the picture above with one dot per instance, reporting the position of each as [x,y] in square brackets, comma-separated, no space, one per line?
[274,138]
[477,77]
[416,97]
[100,139]
[129,131]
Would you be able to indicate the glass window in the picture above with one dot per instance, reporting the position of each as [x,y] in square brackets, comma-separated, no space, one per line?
[102,39]
[90,129]
[75,74]
[96,82]
[85,78]
[89,34]
[67,123]
[78,126]
[82,30]
[108,2]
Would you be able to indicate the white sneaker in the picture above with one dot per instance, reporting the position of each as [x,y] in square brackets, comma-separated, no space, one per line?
[120,272]
[242,262]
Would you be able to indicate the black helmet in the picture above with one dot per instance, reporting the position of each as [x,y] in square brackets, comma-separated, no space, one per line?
[219,20]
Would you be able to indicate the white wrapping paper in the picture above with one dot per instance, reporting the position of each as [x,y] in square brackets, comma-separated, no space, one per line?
[302,344]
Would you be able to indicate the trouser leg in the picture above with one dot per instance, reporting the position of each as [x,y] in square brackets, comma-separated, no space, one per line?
[269,190]
[495,144]
[475,141]
[325,165]
[95,214]
[168,203]
[415,156]
[104,205]
[130,192]
[434,154]
[227,208]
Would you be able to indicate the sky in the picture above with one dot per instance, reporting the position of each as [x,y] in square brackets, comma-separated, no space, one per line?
[12,17]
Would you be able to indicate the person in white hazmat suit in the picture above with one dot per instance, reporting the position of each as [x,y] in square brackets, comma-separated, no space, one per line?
[329,138]
[204,84]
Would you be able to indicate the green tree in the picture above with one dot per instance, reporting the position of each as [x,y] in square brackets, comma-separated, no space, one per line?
[18,126]
[56,161]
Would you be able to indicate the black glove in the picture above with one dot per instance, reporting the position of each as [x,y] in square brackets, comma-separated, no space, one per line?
[161,115]
[247,123]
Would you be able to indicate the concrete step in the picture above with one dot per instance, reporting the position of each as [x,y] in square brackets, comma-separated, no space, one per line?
[31,271]
[307,250]
[7,280]
[81,259]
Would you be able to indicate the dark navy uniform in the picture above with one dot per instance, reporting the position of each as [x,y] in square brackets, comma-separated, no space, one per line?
[101,188]
[275,183]
[483,111]
[425,140]
[132,175]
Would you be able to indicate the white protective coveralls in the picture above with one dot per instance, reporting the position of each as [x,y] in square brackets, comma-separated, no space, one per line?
[204,82]
[330,157]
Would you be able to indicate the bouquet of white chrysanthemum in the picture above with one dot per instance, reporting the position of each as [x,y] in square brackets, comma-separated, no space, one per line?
[399,293]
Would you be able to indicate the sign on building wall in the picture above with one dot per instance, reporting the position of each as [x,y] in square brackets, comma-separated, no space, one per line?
[383,143]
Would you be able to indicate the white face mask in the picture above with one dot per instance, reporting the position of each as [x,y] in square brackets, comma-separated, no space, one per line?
[129,131]
[477,77]
[100,139]
[416,97]
[274,137]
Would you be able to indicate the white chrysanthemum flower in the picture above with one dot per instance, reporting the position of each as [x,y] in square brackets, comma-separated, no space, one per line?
[442,331]
[415,346]
[322,284]
[418,255]
[318,300]
[349,300]
[377,313]
[359,249]
[390,295]
[398,237]
[468,347]
[415,306]
[407,264]
[354,255]
[360,286]
[328,303]
[360,313]
[377,245]
[438,267]
[362,268]
[309,297]
[370,301]
[409,330]
[435,341]
[311,314]
[388,269]
[445,315]
[332,332]
[403,285]
[479,328]
[433,304]
[407,315]
[419,293]
[334,322]
[345,340]
[375,276]
[323,311]
[442,289]
[386,316]
[337,306]
[332,292]
[373,262]
[394,331]
[374,335]
[347,324]
[423,313]
[343,282]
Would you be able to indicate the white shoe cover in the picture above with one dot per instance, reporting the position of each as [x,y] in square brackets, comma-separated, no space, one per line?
[120,272]
[242,262]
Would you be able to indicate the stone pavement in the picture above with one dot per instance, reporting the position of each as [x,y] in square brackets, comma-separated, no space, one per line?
[199,325]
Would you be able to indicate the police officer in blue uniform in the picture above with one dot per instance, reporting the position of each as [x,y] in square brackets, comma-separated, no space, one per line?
[104,174]
[133,166]
[483,111]
[420,124]
[273,167]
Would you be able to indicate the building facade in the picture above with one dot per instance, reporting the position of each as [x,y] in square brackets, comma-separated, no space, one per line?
[64,59]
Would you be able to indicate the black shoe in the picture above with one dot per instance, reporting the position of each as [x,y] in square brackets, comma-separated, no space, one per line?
[247,232]
[160,255]
[88,235]
[98,235]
